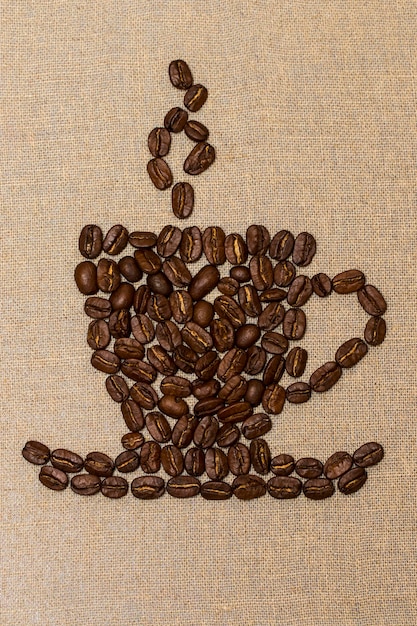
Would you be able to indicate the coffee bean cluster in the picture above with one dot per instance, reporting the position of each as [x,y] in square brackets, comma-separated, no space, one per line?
[215,362]
[176,120]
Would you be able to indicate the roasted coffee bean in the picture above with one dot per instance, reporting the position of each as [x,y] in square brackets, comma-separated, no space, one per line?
[299,291]
[127,461]
[159,308]
[142,239]
[90,241]
[97,308]
[284,487]
[229,309]
[223,334]
[128,348]
[261,272]
[322,285]
[176,386]
[99,464]
[182,433]
[213,245]
[234,389]
[206,366]
[122,297]
[168,335]
[182,200]
[172,460]
[273,399]
[371,300]
[117,388]
[227,435]
[308,467]
[325,377]
[105,361]
[158,283]
[284,273]
[148,487]
[275,294]
[235,412]
[161,361]
[203,313]
[150,457]
[168,241]
[181,306]
[119,324]
[158,427]
[256,358]
[183,487]
[256,425]
[337,465]
[144,395]
[108,275]
[217,466]
[232,363]
[216,490]
[139,370]
[260,455]
[36,453]
[375,330]
[199,159]
[196,131]
[369,454]
[116,240]
[180,74]
[296,361]
[98,334]
[248,487]
[304,249]
[160,173]
[85,484]
[298,393]
[204,282]
[148,261]
[132,415]
[294,324]
[53,478]
[240,273]
[272,316]
[194,462]
[208,406]
[257,239]
[195,97]
[228,286]
[318,488]
[205,388]
[132,441]
[282,465]
[114,487]
[351,352]
[274,343]
[175,120]
[348,282]
[196,337]
[254,392]
[206,432]
[177,272]
[239,459]
[142,328]
[352,481]
[173,406]
[282,245]
[249,300]
[191,246]
[141,299]
[159,142]
[185,359]
[86,277]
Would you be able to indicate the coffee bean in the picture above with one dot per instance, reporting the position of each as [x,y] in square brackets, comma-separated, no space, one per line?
[142,239]
[159,308]
[203,313]
[235,412]
[256,358]
[273,399]
[295,362]
[298,393]
[139,370]
[177,272]
[108,275]
[158,427]
[196,337]
[90,241]
[180,74]
[261,271]
[148,261]
[117,388]
[304,249]
[351,352]
[181,306]
[148,487]
[161,361]
[213,245]
[173,406]
[318,488]
[256,425]
[176,386]
[114,487]
[223,334]
[199,159]
[132,415]
[105,361]
[234,389]
[67,461]
[274,370]
[228,286]
[185,359]
[337,465]
[217,466]
[206,366]
[369,454]
[375,330]
[272,316]
[127,461]
[168,335]
[85,484]
[229,309]
[128,348]
[239,459]
[208,406]
[142,328]
[116,240]
[159,284]
[99,464]
[182,200]
[322,285]
[182,433]
[283,465]
[191,246]
[194,462]
[274,343]
[352,481]
[254,392]
[159,142]
[216,490]
[97,308]
[195,97]
[144,395]
[132,441]
[248,487]
[160,173]
[119,324]
[299,291]
[284,487]
[122,297]
[175,119]
[206,432]
[183,487]
[325,377]
[172,460]
[53,478]
[232,363]
[196,131]
[308,467]
[284,273]
[150,457]
[86,277]
[36,452]
[282,245]
[141,299]
[371,300]
[348,281]
[275,294]
[294,324]
[204,282]
[227,435]
[260,455]
[205,388]
[168,241]
[257,239]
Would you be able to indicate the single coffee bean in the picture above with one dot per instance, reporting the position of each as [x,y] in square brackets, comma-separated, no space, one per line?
[195,97]
[172,460]
[159,142]
[208,406]
[216,490]
[181,306]
[185,359]
[256,358]
[260,455]
[117,388]
[294,324]
[176,271]
[90,241]
[228,286]
[337,465]
[234,389]
[86,277]
[132,415]
[217,466]
[348,282]
[183,486]
[119,324]
[53,478]
[228,308]
[203,313]
[296,361]
[168,335]
[236,250]
[274,370]
[206,432]
[248,487]
[150,457]
[99,464]
[173,406]
[261,271]
[322,285]
[369,454]
[298,393]
[97,308]
[284,273]
[116,240]
[144,395]
[223,334]
[352,481]
[85,484]
[284,487]
[325,377]
[318,488]
[114,487]
[67,461]
[148,487]
[196,337]
[254,392]
[232,363]
[257,239]
[308,467]
[105,361]
[274,343]
[158,427]
[275,294]
[159,284]
[182,433]
[351,352]
[168,241]
[205,388]
[235,412]
[108,275]
[204,282]
[199,159]
[141,299]
[194,462]
[175,120]
[161,361]
[282,245]
[191,246]
[182,200]
[283,465]
[159,308]
[256,425]
[273,399]
[249,301]
[227,435]
[196,131]
[206,366]
[142,239]
[240,273]
[371,300]
[299,291]
[213,245]
[139,370]
[176,386]
[148,261]
[180,74]
[132,441]
[142,328]
[304,249]
[128,348]
[127,461]
[272,316]
[375,331]
[122,297]
[239,459]
[36,453]
[160,173]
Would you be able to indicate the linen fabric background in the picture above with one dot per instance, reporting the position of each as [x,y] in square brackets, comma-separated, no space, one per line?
[312,111]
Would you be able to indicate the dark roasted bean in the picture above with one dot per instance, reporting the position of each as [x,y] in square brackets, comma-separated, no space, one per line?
[283,465]
[228,286]
[375,330]
[148,261]
[284,487]
[196,337]
[194,462]
[294,324]
[141,299]
[86,277]
[240,273]
[85,484]
[203,313]
[116,240]
[299,291]
[182,433]
[282,245]
[216,490]
[256,425]
[98,334]
[206,366]
[304,249]
[97,308]
[249,300]
[239,459]
[122,297]
[175,120]
[177,272]
[117,388]
[322,285]
[119,323]
[234,389]
[185,359]
[206,432]
[213,245]
[183,487]
[108,275]
[337,465]
[275,294]
[99,464]
[261,271]
[235,412]
[191,246]
[227,435]
[159,283]
[182,200]
[256,358]
[371,300]
[168,241]
[308,467]
[158,427]
[159,142]
[196,131]
[229,309]
[257,239]
[223,334]
[133,415]
[348,282]
[132,441]
[203,282]
[176,386]
[159,308]
[180,74]
[274,343]
[217,466]
[139,370]
[325,377]
[105,361]
[318,488]
[232,363]
[90,241]
[114,487]
[248,486]
[127,461]
[205,388]
[260,455]
[254,392]
[298,393]
[148,487]
[199,159]
[168,335]
[150,457]
[160,173]
[284,273]
[36,453]
[181,306]
[351,352]
[173,406]
[295,362]
[208,406]
[271,316]
[128,348]
[172,460]
[369,454]
[142,328]
[273,399]
[352,481]
[161,361]
[195,97]
[144,395]
[142,239]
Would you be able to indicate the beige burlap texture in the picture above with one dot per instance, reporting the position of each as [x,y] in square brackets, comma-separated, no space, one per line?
[312,111]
